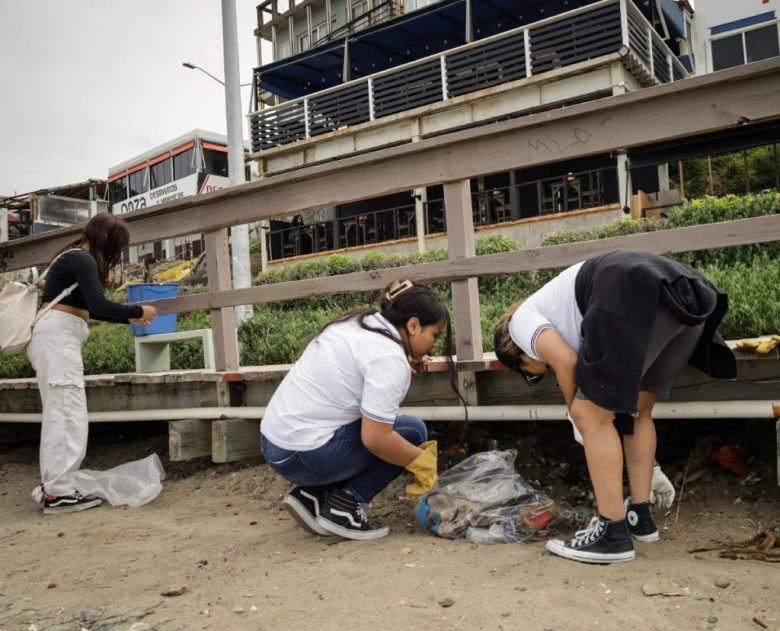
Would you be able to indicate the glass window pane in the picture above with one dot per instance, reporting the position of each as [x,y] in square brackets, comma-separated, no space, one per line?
[216,162]
[761,43]
[183,164]
[118,190]
[161,173]
[138,182]
[727,52]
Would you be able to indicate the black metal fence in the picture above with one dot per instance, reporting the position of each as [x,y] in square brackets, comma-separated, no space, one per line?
[495,205]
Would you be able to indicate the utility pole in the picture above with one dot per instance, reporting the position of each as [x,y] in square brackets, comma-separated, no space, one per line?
[242,275]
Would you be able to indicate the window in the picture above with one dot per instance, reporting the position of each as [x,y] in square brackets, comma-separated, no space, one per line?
[419,4]
[303,42]
[284,49]
[359,8]
[139,182]
[761,43]
[216,162]
[318,31]
[118,190]
[161,173]
[183,164]
[745,47]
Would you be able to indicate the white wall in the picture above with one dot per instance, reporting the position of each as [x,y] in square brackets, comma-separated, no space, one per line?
[711,13]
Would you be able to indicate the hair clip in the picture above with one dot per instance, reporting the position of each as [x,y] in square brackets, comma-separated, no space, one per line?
[397,289]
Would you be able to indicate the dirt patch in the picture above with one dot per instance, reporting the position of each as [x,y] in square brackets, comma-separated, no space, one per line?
[218,543]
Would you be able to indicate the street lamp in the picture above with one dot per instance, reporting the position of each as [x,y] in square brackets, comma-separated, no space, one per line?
[192,66]
[235,138]
[187,64]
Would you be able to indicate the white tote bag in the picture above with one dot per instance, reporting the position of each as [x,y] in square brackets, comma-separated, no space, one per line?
[18,304]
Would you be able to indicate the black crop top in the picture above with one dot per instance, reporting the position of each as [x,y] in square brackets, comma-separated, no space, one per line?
[79,266]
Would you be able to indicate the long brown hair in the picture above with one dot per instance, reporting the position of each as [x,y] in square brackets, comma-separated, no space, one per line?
[503,342]
[107,235]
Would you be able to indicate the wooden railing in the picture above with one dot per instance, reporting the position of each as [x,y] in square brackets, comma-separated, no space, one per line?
[682,109]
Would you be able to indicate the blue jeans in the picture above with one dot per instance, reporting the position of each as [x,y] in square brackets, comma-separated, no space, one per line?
[343,460]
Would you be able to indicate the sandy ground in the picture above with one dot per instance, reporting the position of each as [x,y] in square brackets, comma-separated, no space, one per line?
[218,533]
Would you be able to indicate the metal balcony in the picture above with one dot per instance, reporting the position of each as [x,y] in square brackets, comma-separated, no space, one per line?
[607,29]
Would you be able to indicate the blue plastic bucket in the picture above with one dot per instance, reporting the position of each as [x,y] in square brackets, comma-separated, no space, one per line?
[143,292]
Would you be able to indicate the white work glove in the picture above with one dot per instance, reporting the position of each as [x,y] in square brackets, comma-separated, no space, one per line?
[577,435]
[662,491]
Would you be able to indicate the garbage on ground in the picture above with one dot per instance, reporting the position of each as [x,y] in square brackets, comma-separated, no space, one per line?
[760,547]
[732,458]
[485,500]
[133,483]
[760,345]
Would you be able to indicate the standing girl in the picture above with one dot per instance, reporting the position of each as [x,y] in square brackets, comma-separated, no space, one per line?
[616,329]
[332,427]
[55,353]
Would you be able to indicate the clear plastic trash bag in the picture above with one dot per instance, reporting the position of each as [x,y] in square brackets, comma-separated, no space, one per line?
[485,500]
[132,484]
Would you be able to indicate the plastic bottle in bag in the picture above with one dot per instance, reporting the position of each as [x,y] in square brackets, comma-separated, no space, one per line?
[498,532]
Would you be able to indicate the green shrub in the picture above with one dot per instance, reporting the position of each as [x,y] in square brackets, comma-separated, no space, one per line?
[189,355]
[693,213]
[754,296]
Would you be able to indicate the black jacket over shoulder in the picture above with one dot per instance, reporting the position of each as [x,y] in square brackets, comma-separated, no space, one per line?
[618,294]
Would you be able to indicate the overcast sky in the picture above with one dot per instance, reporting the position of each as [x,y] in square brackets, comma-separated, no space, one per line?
[87,84]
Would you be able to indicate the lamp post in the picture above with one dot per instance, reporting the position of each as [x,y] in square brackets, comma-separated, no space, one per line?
[239,235]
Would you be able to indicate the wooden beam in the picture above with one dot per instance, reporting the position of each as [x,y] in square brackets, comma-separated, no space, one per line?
[703,237]
[465,293]
[235,439]
[189,439]
[681,109]
[223,321]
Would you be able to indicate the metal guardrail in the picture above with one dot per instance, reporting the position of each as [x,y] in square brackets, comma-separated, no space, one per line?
[379,13]
[610,26]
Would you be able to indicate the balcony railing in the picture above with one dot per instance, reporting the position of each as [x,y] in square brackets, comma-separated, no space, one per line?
[603,28]
[496,205]
[379,13]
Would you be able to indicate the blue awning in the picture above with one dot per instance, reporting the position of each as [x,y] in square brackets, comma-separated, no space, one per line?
[409,37]
[674,18]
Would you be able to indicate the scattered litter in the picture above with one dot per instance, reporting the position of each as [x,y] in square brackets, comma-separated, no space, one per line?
[758,548]
[406,550]
[760,345]
[665,590]
[732,458]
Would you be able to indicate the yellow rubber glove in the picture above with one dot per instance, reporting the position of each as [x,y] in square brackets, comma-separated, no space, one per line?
[424,468]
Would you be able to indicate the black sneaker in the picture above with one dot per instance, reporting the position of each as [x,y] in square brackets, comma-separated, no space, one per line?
[603,541]
[640,521]
[304,504]
[69,503]
[344,516]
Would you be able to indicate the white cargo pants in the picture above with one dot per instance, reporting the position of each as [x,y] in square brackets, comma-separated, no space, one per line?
[55,354]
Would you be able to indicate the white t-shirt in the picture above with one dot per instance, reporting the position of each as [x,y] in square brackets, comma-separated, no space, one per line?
[345,373]
[553,306]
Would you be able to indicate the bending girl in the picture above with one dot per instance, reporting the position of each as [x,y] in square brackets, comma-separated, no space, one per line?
[616,329]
